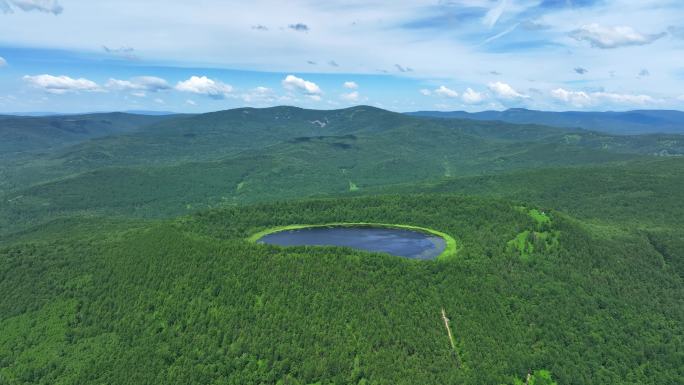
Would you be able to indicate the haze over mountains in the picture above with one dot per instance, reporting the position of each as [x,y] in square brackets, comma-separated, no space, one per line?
[619,123]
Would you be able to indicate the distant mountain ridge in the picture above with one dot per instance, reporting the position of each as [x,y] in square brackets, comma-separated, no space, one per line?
[617,123]
[168,165]
[19,134]
[40,114]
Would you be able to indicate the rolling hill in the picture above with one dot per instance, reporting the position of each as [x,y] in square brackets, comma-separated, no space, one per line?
[254,155]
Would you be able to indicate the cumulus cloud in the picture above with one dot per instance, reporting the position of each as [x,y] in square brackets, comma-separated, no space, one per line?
[203,85]
[612,37]
[46,6]
[294,83]
[140,83]
[471,96]
[3,62]
[350,85]
[446,92]
[585,99]
[576,98]
[351,96]
[425,92]
[581,70]
[299,27]
[61,84]
[505,91]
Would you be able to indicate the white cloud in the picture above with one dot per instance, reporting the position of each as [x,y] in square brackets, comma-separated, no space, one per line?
[292,83]
[501,34]
[141,83]
[47,6]
[159,101]
[681,97]
[585,99]
[471,96]
[505,91]
[350,97]
[612,37]
[259,94]
[61,84]
[202,85]
[3,62]
[191,102]
[351,85]
[446,92]
[624,98]
[425,92]
[495,13]
[575,98]
[262,90]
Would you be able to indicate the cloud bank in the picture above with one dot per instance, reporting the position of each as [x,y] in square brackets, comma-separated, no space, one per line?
[61,84]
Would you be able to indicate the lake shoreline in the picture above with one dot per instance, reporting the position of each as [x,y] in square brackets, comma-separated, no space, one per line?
[450,250]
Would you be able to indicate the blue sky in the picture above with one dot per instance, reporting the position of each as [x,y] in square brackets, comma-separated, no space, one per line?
[83,55]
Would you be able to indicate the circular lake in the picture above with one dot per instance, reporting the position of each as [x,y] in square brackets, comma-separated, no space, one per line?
[399,242]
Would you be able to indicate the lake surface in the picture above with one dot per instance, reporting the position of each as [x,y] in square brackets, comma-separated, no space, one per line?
[399,242]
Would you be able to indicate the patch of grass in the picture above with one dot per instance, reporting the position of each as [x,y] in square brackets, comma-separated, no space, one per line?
[522,244]
[539,216]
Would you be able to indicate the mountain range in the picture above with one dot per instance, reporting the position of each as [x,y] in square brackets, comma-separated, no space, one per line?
[617,123]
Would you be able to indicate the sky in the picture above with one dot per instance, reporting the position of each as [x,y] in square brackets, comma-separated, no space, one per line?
[473,55]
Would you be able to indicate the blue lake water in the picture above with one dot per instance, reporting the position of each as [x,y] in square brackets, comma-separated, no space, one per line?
[399,242]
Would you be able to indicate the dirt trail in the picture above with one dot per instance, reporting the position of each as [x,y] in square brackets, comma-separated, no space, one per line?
[451,336]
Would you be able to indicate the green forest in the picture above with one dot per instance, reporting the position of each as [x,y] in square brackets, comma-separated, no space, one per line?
[125,256]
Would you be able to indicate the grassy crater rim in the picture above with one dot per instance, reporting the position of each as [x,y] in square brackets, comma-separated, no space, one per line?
[450,249]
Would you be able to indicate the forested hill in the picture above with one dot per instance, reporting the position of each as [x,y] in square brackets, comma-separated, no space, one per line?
[618,123]
[124,259]
[189,301]
[19,134]
[248,155]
